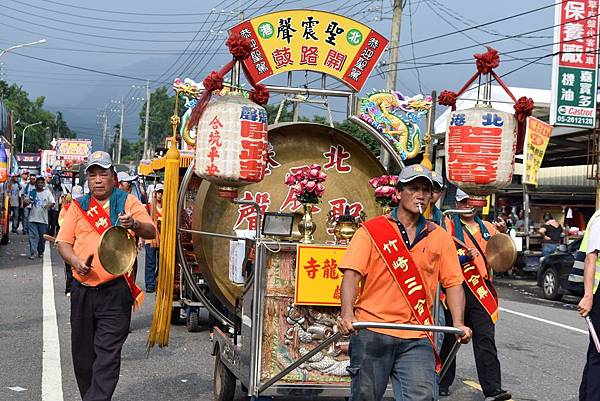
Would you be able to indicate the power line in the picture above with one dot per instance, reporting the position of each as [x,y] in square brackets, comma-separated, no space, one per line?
[94,35]
[482,25]
[410,23]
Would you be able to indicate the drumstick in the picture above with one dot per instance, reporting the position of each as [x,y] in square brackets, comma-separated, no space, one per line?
[88,261]
[593,333]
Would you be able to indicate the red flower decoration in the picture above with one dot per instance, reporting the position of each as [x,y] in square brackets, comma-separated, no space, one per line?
[213,82]
[239,47]
[447,98]
[523,108]
[487,61]
[260,94]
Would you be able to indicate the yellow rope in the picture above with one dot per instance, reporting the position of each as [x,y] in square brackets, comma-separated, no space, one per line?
[161,322]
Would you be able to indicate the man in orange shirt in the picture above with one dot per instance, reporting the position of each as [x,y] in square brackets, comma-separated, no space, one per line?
[480,315]
[398,261]
[101,303]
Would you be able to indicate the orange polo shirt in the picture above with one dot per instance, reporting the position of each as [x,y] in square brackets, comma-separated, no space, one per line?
[380,299]
[77,231]
[476,232]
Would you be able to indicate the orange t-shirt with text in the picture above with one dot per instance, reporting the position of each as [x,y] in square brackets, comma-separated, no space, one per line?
[379,298]
[77,231]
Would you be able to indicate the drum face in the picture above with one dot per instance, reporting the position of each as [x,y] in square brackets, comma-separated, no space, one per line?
[348,164]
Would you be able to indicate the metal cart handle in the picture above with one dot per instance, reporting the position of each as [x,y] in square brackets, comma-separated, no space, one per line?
[358,326]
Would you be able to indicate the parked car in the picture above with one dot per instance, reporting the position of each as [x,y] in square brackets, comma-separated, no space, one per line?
[561,273]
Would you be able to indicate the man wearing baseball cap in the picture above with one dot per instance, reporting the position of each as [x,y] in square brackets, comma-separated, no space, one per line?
[101,303]
[398,259]
[437,190]
[152,246]
[481,308]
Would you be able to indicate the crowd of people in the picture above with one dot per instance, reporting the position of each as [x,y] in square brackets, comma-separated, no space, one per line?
[39,203]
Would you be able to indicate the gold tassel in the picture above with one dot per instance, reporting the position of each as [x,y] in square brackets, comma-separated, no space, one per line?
[161,322]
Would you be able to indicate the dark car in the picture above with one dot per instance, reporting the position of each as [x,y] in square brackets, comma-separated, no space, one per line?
[561,273]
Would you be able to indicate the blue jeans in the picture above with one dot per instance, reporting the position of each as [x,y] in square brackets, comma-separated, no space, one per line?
[36,238]
[548,248]
[15,217]
[375,358]
[151,273]
[26,219]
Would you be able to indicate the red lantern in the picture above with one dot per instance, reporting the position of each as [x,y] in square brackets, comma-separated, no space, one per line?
[480,151]
[231,143]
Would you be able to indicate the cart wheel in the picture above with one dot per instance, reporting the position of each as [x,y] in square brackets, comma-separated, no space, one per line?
[176,315]
[4,240]
[203,316]
[223,381]
[193,320]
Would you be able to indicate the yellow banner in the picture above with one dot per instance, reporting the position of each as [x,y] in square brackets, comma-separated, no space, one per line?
[318,278]
[298,40]
[536,142]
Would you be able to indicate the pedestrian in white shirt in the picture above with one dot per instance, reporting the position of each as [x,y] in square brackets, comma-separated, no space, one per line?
[41,200]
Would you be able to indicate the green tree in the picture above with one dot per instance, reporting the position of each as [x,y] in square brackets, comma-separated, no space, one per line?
[27,112]
[162,106]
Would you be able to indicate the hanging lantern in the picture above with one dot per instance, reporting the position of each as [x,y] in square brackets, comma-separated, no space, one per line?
[231,145]
[3,164]
[480,151]
[481,142]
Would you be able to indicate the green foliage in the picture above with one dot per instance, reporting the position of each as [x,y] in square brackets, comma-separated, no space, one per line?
[29,112]
[162,106]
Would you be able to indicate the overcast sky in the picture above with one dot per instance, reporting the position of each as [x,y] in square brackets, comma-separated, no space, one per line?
[145,39]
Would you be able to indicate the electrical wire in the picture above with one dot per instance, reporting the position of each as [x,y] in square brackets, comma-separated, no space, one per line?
[410,23]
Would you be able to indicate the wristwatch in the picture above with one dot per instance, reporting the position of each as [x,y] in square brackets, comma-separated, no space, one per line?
[135,225]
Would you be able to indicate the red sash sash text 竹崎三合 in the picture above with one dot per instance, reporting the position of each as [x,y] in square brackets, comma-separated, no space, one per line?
[402,267]
[99,219]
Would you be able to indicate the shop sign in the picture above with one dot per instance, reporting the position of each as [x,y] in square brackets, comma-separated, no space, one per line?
[73,149]
[318,279]
[574,65]
[299,40]
[536,141]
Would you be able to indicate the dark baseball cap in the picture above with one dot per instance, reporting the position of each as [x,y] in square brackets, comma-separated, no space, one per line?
[412,172]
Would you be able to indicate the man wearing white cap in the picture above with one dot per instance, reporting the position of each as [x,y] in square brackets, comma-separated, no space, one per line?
[471,235]
[101,302]
[398,260]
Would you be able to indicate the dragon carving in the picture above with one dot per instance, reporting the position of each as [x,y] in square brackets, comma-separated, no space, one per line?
[397,118]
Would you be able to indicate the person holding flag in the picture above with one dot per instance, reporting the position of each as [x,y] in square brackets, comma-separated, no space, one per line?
[398,260]
[101,303]
[471,235]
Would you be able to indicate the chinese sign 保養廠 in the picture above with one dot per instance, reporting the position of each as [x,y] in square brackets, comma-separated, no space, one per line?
[574,64]
[297,40]
[318,279]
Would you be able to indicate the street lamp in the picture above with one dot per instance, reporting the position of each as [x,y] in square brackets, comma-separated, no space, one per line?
[37,42]
[23,136]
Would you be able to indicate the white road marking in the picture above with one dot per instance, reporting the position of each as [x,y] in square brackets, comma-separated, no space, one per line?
[51,370]
[539,319]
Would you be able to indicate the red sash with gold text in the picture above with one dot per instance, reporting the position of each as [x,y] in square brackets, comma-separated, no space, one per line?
[99,219]
[484,294]
[406,274]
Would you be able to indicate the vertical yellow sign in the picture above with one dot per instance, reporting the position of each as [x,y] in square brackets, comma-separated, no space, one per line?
[318,278]
[536,142]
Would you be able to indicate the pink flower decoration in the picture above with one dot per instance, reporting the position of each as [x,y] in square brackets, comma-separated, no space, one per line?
[310,186]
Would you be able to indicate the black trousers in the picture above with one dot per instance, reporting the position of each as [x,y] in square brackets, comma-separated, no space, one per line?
[484,346]
[100,318]
[68,278]
[52,222]
[589,390]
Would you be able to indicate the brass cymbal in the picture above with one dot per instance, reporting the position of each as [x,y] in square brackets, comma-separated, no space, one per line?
[501,252]
[117,250]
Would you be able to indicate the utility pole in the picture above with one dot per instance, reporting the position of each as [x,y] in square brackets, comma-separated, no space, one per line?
[121,130]
[147,122]
[392,64]
[105,132]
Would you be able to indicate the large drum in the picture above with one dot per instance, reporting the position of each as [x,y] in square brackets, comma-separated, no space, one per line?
[349,166]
